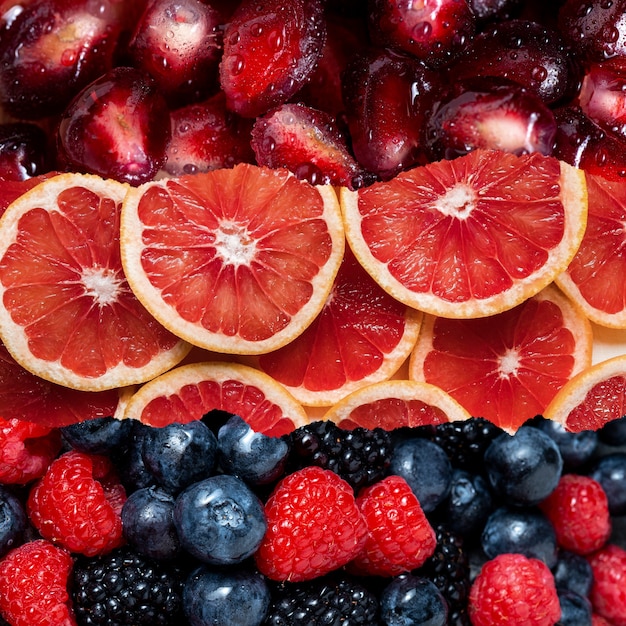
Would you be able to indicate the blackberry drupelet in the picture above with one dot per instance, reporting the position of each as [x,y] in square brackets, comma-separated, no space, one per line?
[360,456]
[465,442]
[124,588]
[449,569]
[323,601]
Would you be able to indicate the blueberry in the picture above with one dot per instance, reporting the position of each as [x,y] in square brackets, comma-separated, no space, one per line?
[212,598]
[523,468]
[102,435]
[524,531]
[426,468]
[133,471]
[148,522]
[576,448]
[469,503]
[13,521]
[614,433]
[573,572]
[254,457]
[610,472]
[575,609]
[219,520]
[409,600]
[179,455]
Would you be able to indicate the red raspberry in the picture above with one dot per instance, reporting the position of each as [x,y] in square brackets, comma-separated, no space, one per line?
[313,526]
[33,585]
[513,589]
[399,538]
[26,450]
[579,511]
[608,593]
[69,505]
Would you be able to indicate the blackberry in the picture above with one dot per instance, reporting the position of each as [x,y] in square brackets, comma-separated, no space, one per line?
[465,442]
[449,569]
[323,601]
[360,456]
[124,588]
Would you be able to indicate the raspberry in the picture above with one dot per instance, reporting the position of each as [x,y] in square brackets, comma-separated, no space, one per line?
[33,585]
[399,537]
[70,505]
[313,526]
[513,589]
[608,593]
[26,450]
[598,620]
[579,511]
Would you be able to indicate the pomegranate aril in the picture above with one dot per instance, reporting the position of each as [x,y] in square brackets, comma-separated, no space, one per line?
[50,50]
[23,151]
[490,114]
[388,97]
[434,32]
[307,142]
[270,50]
[118,127]
[179,45]
[523,51]
[207,136]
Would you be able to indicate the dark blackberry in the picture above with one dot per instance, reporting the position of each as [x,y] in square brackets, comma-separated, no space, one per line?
[360,456]
[124,588]
[326,601]
[465,442]
[449,569]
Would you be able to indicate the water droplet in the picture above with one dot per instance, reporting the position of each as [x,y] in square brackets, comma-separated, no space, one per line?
[309,172]
[234,38]
[190,168]
[237,64]
[275,40]
[268,144]
[606,4]
[256,30]
[68,58]
[610,34]
[539,73]
[422,30]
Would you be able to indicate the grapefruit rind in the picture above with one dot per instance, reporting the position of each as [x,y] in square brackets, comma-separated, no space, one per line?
[401,391]
[13,336]
[574,200]
[574,394]
[151,297]
[170,384]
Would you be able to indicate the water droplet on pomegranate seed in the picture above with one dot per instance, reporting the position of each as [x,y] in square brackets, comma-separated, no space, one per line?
[275,40]
[422,30]
[256,30]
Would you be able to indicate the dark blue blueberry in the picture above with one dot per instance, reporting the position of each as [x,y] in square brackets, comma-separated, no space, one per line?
[133,472]
[254,457]
[576,448]
[614,433]
[102,435]
[408,600]
[469,503]
[13,521]
[148,523]
[426,468]
[575,609]
[610,472]
[573,572]
[523,468]
[219,520]
[179,455]
[525,531]
[212,598]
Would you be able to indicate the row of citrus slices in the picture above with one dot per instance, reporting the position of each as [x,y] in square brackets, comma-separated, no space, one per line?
[234,290]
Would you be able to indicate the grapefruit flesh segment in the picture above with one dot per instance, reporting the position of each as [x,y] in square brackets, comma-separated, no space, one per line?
[238,260]
[361,336]
[506,368]
[469,237]
[594,278]
[395,404]
[191,391]
[67,313]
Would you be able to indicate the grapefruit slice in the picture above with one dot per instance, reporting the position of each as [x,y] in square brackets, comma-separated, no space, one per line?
[235,260]
[189,392]
[27,397]
[396,403]
[594,279]
[67,313]
[508,367]
[592,398]
[361,336]
[469,237]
